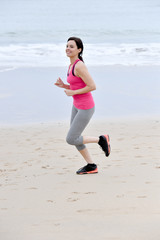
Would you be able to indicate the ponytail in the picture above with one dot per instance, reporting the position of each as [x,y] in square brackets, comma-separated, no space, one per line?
[80,57]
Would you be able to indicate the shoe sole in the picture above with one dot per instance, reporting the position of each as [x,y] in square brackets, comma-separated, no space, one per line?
[108,145]
[89,172]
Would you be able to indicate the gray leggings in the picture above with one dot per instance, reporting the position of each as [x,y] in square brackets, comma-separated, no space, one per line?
[79,120]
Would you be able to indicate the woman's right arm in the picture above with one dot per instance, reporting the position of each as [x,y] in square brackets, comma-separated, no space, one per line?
[60,83]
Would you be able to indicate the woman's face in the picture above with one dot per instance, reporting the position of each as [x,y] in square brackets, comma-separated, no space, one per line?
[71,49]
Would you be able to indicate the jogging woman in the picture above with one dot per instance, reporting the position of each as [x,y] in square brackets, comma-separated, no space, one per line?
[80,84]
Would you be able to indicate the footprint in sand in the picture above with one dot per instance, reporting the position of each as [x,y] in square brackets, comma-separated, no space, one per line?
[46,167]
[37,149]
[87,210]
[76,192]
[13,170]
[84,193]
[72,199]
[32,188]
[120,139]
[136,147]
[57,224]
[141,196]
[138,156]
[28,140]
[61,173]
[90,193]
[50,201]
[84,210]
[120,196]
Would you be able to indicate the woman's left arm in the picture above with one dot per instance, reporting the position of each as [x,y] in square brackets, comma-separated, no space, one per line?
[82,72]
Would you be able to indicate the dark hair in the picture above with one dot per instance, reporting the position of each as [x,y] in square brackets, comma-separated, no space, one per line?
[79,44]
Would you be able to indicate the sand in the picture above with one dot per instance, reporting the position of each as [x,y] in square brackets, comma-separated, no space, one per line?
[41,197]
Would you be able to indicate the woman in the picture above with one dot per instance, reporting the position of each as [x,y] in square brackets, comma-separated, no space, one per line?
[80,86]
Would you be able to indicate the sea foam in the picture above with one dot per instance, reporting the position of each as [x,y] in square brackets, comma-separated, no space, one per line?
[53,55]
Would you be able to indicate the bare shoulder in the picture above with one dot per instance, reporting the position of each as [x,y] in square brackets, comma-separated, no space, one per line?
[81,70]
[80,66]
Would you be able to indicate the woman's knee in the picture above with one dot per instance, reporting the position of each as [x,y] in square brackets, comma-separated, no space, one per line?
[74,140]
[70,140]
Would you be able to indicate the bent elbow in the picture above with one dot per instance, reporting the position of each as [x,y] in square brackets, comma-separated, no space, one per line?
[93,87]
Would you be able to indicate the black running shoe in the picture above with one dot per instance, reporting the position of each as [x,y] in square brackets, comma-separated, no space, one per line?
[88,169]
[105,144]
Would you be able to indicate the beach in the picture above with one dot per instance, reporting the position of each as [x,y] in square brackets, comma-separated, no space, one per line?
[41,197]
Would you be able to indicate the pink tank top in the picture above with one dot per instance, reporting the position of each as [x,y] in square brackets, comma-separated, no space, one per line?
[81,101]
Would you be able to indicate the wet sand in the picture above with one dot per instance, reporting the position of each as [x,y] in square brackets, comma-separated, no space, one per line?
[28,95]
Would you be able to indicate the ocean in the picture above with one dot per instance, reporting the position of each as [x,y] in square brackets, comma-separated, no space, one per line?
[121,50]
[33,33]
